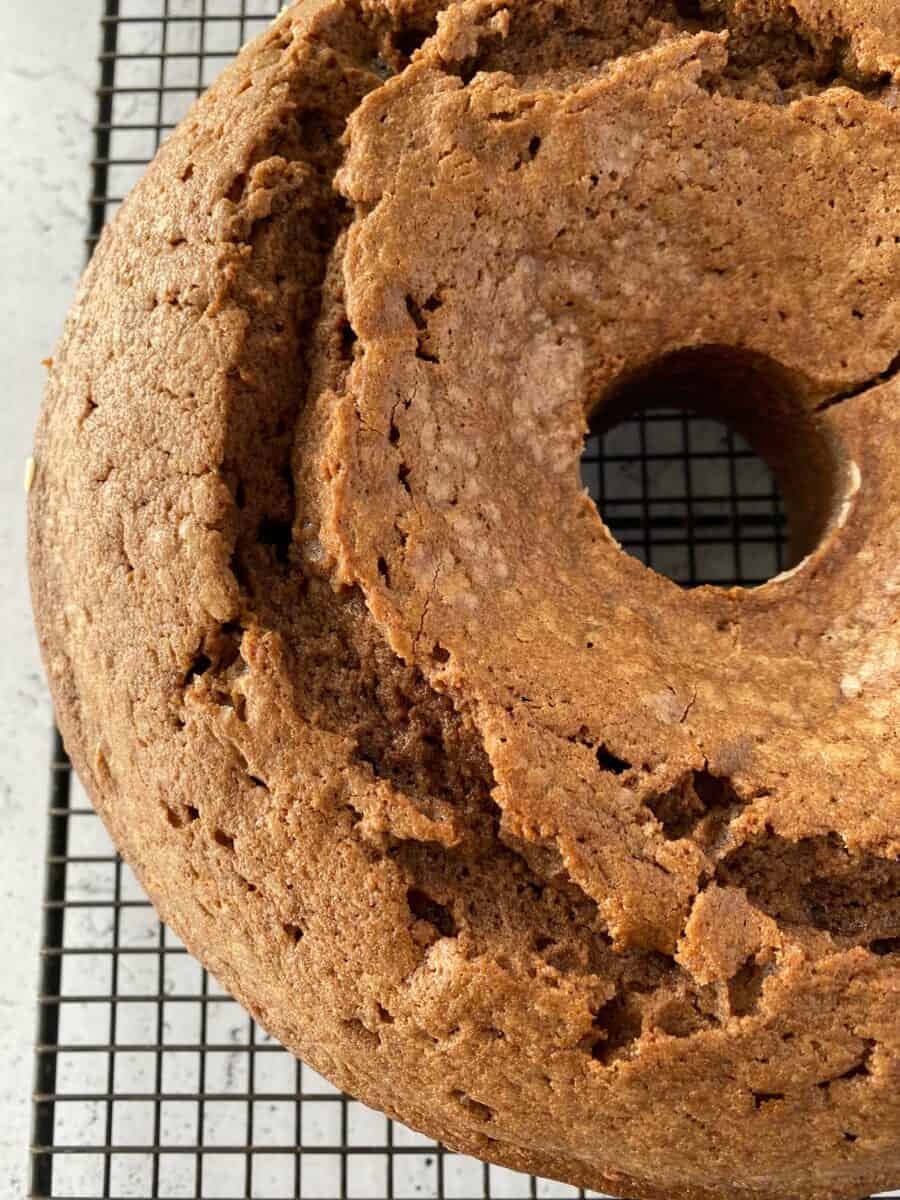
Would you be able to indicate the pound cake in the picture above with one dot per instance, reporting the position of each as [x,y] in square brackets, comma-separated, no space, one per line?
[501,831]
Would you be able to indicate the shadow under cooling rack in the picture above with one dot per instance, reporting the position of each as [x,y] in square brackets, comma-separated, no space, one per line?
[150,1081]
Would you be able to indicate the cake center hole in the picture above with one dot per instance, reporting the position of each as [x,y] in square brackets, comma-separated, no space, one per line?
[706,467]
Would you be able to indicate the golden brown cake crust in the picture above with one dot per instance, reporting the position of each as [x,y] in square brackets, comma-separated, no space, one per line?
[501,831]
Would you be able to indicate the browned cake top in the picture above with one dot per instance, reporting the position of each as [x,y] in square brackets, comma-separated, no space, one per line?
[499,829]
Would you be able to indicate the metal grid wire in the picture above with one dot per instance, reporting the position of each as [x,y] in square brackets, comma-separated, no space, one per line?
[150,1081]
[688,496]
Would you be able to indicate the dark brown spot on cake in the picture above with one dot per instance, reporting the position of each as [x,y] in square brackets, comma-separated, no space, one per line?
[820,883]
[746,987]
[200,665]
[426,908]
[617,1026]
[702,804]
[225,840]
[276,535]
[480,1112]
[612,762]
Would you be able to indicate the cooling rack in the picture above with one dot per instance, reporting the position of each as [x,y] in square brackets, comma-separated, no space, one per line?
[150,1081]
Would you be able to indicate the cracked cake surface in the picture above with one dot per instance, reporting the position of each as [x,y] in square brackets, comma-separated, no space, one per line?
[501,831]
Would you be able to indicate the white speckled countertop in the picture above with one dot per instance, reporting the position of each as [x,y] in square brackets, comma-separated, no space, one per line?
[47,76]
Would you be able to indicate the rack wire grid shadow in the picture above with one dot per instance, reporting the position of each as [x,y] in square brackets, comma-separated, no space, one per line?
[150,1081]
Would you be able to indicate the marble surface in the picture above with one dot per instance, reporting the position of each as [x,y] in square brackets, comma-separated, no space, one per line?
[47,76]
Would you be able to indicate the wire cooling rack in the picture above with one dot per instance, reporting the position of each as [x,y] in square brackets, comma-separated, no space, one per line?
[150,1081]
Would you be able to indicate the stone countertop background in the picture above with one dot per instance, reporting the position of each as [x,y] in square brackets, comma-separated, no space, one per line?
[48,69]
